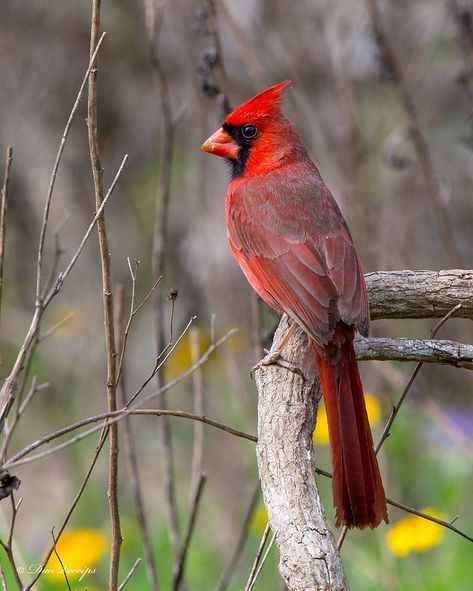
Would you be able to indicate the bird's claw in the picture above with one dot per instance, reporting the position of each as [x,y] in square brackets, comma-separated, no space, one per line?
[275,358]
[270,358]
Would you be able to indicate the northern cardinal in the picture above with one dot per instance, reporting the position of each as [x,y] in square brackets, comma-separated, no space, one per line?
[294,247]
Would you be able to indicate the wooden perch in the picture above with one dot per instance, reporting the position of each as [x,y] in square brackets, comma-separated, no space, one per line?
[287,404]
[287,407]
[420,294]
[427,351]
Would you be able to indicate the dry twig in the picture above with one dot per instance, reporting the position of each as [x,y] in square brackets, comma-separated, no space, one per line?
[60,561]
[195,504]
[130,449]
[240,542]
[110,347]
[254,566]
[130,574]
[9,388]
[10,385]
[8,545]
[3,214]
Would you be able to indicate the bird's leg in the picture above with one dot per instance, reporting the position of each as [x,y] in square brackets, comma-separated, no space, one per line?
[275,356]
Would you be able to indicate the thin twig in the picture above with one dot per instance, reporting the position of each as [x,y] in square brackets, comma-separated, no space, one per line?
[52,182]
[8,545]
[169,349]
[179,574]
[133,311]
[198,399]
[101,442]
[263,560]
[3,214]
[10,385]
[183,376]
[60,561]
[58,252]
[130,449]
[397,407]
[115,416]
[110,346]
[447,524]
[63,276]
[21,407]
[257,559]
[240,543]
[130,574]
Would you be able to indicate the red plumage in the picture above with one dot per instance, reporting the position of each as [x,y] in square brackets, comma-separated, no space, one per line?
[293,245]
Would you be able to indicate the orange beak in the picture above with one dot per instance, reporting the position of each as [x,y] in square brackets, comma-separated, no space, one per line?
[221,144]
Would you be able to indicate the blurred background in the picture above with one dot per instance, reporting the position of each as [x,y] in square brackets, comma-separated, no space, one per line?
[396,147]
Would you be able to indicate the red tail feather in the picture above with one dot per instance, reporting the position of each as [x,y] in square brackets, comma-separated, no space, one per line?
[358,492]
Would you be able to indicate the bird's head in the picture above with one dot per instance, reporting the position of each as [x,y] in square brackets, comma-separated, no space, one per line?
[254,137]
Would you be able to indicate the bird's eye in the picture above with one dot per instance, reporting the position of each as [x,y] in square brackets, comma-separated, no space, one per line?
[249,131]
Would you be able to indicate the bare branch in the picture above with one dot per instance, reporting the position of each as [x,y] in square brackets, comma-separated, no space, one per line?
[64,275]
[262,544]
[446,524]
[179,574]
[102,440]
[57,162]
[10,385]
[198,398]
[107,296]
[308,558]
[130,574]
[240,542]
[130,449]
[115,416]
[404,349]
[8,545]
[420,294]
[3,214]
[60,561]
[260,565]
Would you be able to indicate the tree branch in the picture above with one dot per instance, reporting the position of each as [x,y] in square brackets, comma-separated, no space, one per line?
[403,349]
[287,403]
[110,348]
[420,294]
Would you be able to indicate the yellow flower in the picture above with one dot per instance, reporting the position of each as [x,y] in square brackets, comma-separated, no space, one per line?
[373,409]
[258,522]
[415,534]
[320,434]
[79,550]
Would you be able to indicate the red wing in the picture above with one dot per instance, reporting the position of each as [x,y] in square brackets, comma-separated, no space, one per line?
[316,279]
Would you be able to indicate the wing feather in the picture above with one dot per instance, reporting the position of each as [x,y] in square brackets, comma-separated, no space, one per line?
[305,265]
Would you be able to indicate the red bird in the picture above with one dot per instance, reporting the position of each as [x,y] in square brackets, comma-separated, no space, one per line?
[294,247]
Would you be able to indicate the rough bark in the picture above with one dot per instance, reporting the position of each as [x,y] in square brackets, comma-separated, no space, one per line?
[287,405]
[420,294]
[308,556]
